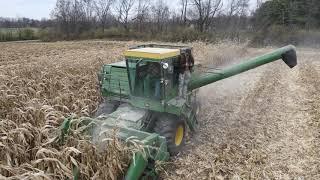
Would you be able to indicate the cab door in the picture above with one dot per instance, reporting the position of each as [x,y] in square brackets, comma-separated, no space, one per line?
[170,79]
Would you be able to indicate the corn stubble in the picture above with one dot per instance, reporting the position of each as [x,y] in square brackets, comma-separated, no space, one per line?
[36,94]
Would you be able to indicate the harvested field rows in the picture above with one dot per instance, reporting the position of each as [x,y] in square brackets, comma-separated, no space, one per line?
[261,124]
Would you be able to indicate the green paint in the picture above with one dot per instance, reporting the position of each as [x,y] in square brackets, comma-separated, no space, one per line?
[138,164]
[114,81]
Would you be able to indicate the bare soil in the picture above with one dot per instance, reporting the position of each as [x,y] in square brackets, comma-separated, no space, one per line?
[262,124]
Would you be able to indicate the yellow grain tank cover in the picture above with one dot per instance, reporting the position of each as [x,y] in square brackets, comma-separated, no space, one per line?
[152,53]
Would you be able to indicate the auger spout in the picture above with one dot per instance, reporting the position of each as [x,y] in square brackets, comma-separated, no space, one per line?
[287,54]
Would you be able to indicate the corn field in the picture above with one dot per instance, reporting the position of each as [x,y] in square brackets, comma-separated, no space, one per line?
[39,88]
[263,124]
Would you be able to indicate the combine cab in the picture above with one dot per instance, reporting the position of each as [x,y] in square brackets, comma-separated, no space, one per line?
[141,99]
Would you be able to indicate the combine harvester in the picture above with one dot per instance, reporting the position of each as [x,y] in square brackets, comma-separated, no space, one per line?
[148,108]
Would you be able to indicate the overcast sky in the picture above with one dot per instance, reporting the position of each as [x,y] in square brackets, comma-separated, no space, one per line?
[38,9]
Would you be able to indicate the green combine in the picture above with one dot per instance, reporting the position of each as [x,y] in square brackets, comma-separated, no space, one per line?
[148,107]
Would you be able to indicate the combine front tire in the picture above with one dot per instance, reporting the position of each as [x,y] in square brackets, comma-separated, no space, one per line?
[173,130]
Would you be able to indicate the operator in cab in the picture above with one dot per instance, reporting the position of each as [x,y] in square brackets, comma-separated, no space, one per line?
[153,79]
[186,65]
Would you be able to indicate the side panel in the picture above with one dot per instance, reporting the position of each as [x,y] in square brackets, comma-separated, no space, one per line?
[114,82]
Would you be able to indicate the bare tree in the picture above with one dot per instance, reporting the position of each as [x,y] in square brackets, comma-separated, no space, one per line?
[73,17]
[61,13]
[259,2]
[161,14]
[184,8]
[244,7]
[205,10]
[142,13]
[102,8]
[236,17]
[233,7]
[81,15]
[124,9]
[88,10]
[236,8]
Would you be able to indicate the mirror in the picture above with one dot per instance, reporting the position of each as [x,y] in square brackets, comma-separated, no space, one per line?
[165,65]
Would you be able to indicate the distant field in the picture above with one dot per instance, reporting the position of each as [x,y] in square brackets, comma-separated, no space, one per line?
[18,34]
[17,29]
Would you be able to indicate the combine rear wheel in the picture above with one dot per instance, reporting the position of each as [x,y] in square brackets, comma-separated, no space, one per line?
[173,130]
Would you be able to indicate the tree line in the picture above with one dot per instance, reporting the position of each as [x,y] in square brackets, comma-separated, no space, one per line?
[17,29]
[24,23]
[179,20]
[270,22]
[287,21]
[291,13]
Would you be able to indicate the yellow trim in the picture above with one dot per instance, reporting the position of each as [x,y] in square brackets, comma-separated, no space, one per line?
[179,135]
[152,53]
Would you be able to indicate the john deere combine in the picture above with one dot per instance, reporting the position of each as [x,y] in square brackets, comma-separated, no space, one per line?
[145,105]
